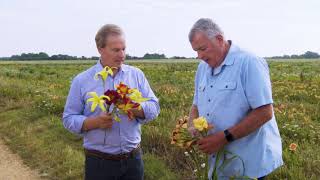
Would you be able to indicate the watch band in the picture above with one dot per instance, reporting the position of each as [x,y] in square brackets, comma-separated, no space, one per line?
[228,135]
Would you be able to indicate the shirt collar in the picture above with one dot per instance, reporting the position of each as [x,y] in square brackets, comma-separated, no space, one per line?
[99,67]
[228,60]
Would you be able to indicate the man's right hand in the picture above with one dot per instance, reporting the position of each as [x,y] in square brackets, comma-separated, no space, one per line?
[102,121]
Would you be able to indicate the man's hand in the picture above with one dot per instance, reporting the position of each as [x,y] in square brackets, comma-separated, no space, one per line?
[212,143]
[138,113]
[103,121]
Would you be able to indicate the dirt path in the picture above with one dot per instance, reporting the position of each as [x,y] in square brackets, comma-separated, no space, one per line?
[12,167]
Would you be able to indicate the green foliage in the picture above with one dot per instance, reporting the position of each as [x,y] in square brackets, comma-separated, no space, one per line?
[155,168]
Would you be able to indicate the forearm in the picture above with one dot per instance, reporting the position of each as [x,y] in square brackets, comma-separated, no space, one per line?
[254,120]
[194,113]
[89,124]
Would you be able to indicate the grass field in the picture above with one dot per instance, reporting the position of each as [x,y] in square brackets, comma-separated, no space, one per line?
[33,95]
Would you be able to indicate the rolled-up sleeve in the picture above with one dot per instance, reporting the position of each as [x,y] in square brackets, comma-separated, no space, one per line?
[257,83]
[151,107]
[73,117]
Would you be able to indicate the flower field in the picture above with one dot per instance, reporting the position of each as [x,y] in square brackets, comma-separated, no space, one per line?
[33,96]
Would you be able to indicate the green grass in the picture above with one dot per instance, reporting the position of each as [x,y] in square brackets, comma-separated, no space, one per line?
[33,95]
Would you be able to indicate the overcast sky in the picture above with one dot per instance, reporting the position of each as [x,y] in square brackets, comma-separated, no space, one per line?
[264,27]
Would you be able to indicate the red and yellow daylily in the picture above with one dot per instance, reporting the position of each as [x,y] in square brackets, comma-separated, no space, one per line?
[122,89]
[114,97]
[127,105]
[97,100]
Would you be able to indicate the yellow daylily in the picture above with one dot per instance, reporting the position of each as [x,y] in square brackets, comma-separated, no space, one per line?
[136,96]
[104,73]
[96,100]
[116,118]
[200,123]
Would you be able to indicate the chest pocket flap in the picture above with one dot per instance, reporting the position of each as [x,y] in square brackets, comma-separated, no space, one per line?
[227,86]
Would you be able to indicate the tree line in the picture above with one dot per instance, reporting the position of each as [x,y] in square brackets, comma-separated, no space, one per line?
[306,55]
[45,56]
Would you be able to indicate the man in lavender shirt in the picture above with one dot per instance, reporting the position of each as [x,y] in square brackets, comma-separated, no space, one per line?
[112,148]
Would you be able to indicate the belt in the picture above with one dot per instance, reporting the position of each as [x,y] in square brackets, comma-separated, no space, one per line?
[115,157]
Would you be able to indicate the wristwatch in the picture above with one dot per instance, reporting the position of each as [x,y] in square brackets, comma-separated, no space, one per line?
[228,135]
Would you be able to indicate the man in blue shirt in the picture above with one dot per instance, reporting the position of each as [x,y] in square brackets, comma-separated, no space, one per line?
[112,148]
[233,92]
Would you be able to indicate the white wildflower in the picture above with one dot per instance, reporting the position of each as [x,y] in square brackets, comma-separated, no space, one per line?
[203,165]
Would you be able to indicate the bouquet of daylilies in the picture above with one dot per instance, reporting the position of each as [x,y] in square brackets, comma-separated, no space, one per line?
[122,99]
[187,140]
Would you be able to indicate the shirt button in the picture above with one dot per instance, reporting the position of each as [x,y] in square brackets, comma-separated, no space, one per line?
[226,86]
[211,86]
[209,100]
[207,114]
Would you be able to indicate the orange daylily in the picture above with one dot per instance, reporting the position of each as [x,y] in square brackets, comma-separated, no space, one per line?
[293,147]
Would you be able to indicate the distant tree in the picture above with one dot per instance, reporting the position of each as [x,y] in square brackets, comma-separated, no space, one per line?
[94,58]
[30,56]
[154,56]
[132,57]
[43,55]
[294,56]
[306,55]
[63,57]
[178,57]
[310,55]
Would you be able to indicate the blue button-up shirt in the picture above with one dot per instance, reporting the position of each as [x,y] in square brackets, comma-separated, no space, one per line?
[225,95]
[124,135]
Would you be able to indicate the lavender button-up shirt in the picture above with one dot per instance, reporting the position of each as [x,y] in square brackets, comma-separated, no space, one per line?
[124,135]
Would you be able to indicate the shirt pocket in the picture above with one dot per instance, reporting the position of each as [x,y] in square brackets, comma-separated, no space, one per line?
[227,86]
[227,94]
[202,94]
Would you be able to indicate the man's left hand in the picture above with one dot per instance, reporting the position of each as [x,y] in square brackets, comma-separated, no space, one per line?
[212,143]
[138,113]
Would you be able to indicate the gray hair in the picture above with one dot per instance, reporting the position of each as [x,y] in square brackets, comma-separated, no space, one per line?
[206,26]
[106,31]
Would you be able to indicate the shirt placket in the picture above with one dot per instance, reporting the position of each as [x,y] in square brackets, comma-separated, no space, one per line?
[209,94]
[116,80]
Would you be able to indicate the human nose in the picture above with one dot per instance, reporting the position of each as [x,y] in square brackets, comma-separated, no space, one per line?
[200,55]
[122,53]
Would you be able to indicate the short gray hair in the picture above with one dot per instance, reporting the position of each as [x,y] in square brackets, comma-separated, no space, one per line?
[207,26]
[106,31]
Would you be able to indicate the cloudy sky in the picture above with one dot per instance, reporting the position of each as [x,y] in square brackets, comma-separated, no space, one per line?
[265,27]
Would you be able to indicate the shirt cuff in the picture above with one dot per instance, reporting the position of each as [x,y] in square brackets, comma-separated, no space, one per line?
[149,113]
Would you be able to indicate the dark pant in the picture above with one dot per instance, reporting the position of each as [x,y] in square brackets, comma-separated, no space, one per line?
[101,169]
